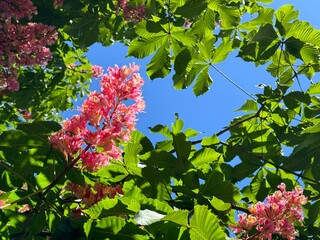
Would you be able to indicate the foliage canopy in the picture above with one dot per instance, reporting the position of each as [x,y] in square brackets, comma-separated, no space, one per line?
[178,188]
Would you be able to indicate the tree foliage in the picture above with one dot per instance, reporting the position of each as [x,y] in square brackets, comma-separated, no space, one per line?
[178,188]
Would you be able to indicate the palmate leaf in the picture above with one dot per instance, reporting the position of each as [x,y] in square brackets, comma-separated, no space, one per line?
[262,46]
[205,225]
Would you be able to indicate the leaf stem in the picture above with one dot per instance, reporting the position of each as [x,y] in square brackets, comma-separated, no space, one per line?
[233,82]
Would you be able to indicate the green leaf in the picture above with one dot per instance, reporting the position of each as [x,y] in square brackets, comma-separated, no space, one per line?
[203,82]
[86,29]
[141,48]
[304,32]
[39,127]
[286,13]
[314,88]
[87,227]
[230,16]
[191,8]
[309,53]
[185,38]
[164,130]
[314,211]
[204,156]
[160,64]
[190,133]
[37,223]
[249,106]
[243,170]
[20,140]
[177,126]
[205,25]
[222,52]
[205,225]
[209,141]
[181,61]
[42,180]
[180,217]
[265,15]
[149,29]
[182,146]
[108,226]
[220,205]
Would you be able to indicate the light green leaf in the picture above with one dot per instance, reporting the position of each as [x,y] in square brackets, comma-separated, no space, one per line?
[205,225]
[141,48]
[222,52]
[191,133]
[309,53]
[209,141]
[204,156]
[42,180]
[203,82]
[230,16]
[177,126]
[220,205]
[164,130]
[108,224]
[304,32]
[87,227]
[205,25]
[186,38]
[249,106]
[286,13]
[314,88]
[180,217]
[160,64]
[265,15]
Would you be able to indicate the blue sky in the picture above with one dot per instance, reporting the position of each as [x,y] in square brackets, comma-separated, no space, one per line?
[212,111]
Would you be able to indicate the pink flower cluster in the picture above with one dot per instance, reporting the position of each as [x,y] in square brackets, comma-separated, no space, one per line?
[3,202]
[89,197]
[21,44]
[105,119]
[24,208]
[57,3]
[132,13]
[97,71]
[276,216]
